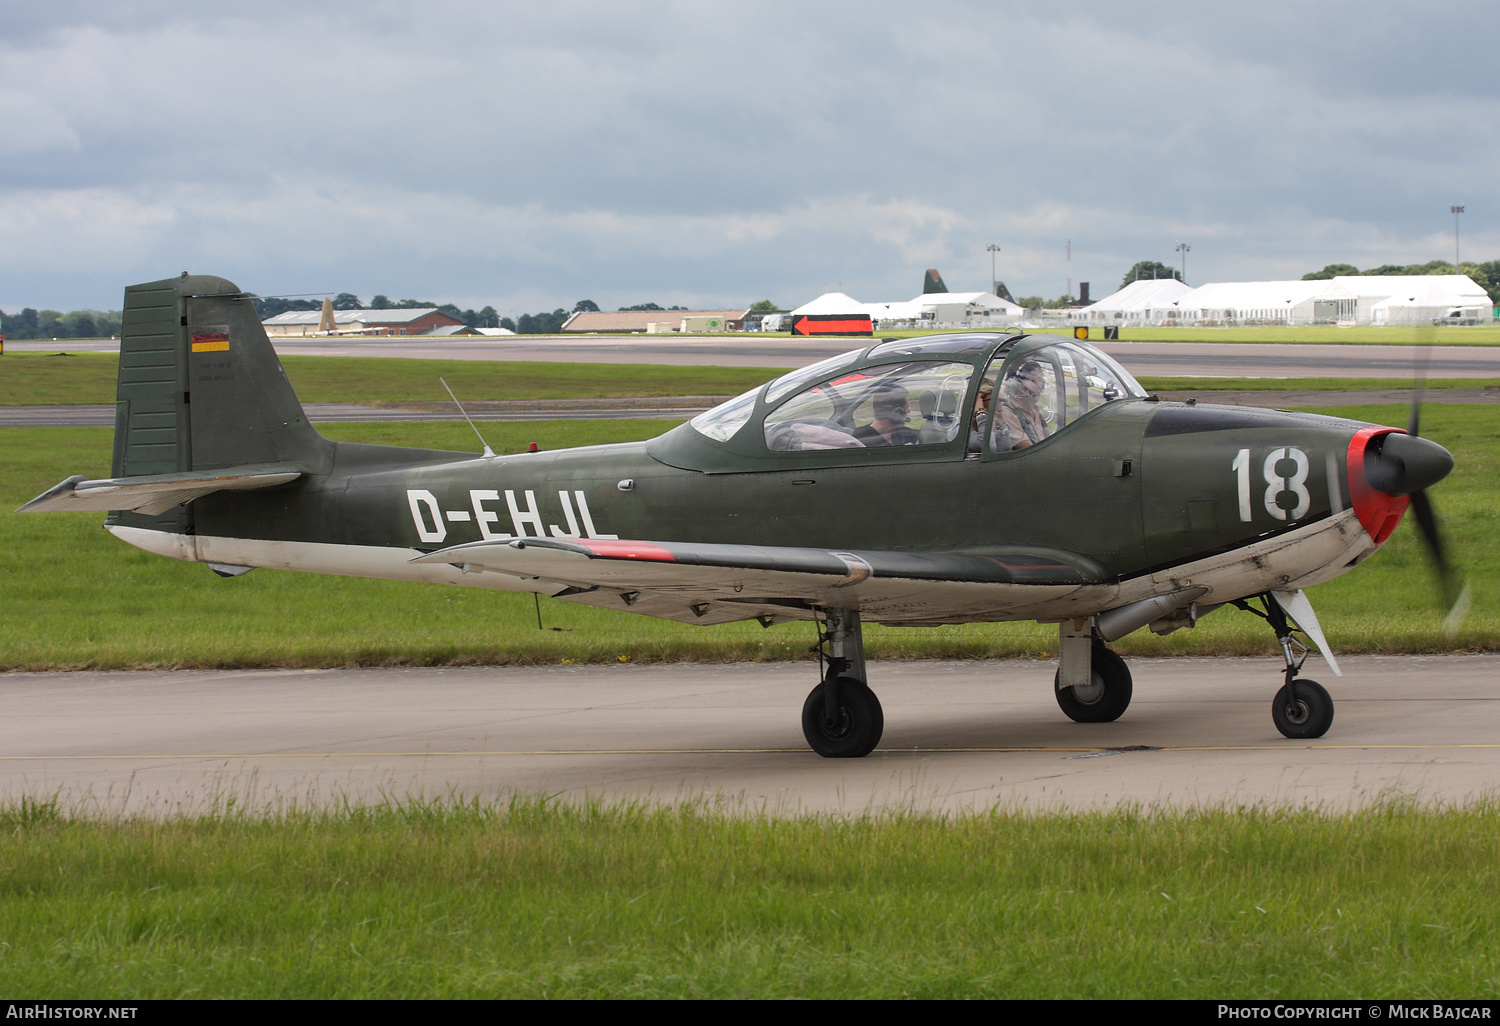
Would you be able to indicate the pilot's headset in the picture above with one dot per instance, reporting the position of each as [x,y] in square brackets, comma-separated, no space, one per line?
[1013,387]
[890,404]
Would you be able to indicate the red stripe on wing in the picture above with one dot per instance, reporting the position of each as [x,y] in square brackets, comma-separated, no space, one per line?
[627,549]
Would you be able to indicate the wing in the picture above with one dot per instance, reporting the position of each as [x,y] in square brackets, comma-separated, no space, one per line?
[710,583]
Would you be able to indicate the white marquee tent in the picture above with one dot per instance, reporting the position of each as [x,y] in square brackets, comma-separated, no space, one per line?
[1147,301]
[1268,302]
[1417,298]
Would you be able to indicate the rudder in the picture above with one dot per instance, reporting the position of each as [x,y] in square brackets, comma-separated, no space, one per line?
[200,388]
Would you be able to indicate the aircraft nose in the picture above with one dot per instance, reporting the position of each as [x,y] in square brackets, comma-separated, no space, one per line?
[1399,464]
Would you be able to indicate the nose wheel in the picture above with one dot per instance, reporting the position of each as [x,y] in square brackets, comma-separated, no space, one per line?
[1302,709]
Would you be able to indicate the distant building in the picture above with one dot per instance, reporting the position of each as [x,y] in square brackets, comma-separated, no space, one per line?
[1346,299]
[929,310]
[414,321]
[640,320]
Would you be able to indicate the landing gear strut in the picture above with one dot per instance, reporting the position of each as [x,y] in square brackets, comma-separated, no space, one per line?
[842,718]
[1302,708]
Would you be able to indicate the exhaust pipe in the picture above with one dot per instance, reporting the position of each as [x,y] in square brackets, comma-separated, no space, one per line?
[1115,623]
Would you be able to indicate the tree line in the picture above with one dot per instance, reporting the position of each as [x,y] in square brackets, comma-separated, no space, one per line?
[32,323]
[270,306]
[542,323]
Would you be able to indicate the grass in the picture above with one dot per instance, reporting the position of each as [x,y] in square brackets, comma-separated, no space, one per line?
[531,898]
[75,598]
[28,379]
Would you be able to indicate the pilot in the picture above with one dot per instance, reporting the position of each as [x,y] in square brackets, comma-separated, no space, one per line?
[1019,411]
[890,410]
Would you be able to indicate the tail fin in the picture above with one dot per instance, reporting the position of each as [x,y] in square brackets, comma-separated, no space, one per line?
[932,282]
[200,389]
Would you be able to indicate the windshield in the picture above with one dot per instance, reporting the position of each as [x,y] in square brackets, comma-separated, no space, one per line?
[721,422]
[788,382]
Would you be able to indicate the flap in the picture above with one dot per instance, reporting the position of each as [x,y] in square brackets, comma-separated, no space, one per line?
[155,493]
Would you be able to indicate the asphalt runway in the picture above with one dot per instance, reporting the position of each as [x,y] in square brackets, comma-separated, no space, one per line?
[958,736]
[1192,359]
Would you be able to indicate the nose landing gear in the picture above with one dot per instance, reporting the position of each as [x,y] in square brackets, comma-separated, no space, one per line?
[1302,708]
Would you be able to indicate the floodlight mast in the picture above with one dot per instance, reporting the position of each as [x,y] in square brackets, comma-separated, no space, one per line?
[1183,247]
[1455,210]
[993,248]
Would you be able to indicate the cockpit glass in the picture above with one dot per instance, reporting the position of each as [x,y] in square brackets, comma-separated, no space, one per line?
[874,407]
[793,380]
[721,422]
[935,345]
[1044,391]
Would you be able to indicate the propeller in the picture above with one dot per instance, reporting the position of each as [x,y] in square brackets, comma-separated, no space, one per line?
[1408,465]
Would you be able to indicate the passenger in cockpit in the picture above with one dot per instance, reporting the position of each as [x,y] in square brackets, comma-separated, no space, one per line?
[890,410]
[1019,411]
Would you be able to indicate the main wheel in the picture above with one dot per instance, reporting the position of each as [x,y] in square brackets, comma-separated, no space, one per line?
[1302,709]
[1103,700]
[860,722]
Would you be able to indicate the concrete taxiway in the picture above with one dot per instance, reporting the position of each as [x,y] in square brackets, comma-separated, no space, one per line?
[958,736]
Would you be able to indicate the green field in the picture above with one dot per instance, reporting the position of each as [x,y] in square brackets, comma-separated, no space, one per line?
[76,598]
[534,899]
[89,378]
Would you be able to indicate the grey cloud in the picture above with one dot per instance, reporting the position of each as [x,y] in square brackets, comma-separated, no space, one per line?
[525,150]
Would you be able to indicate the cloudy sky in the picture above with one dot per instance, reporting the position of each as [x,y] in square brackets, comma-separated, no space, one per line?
[529,155]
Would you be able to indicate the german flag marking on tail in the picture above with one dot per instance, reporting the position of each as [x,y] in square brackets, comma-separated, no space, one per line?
[215,342]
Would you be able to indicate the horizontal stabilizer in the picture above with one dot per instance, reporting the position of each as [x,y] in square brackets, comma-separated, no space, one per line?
[156,493]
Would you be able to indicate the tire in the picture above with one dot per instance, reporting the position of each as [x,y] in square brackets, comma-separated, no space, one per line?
[861,721]
[1106,698]
[1309,714]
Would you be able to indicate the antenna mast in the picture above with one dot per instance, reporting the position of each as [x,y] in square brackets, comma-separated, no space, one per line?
[489,453]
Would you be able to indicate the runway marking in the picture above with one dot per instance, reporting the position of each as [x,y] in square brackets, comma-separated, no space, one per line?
[731,751]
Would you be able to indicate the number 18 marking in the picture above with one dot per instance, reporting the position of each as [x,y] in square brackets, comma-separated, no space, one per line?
[1275,483]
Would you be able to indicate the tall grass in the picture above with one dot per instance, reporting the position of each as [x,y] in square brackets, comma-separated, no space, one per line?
[531,898]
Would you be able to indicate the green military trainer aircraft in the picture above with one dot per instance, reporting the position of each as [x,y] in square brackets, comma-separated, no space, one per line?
[945,479]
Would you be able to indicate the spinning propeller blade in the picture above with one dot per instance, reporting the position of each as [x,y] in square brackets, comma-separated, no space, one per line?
[1413,466]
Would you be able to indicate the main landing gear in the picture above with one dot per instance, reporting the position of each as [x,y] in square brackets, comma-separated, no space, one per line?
[1302,708]
[1093,684]
[842,718]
